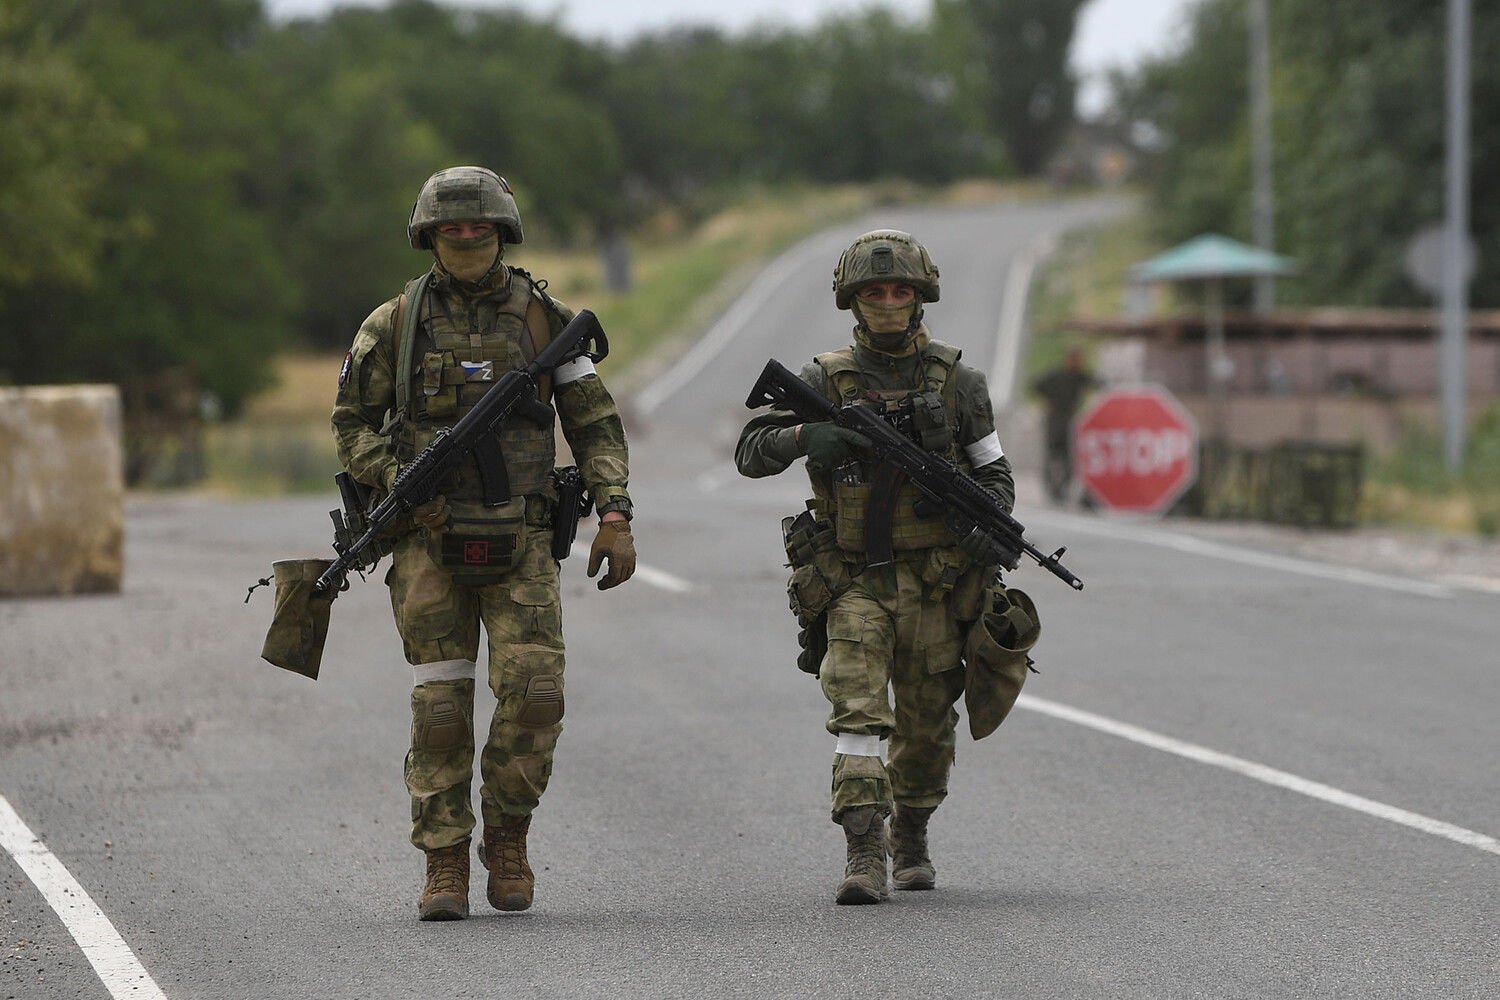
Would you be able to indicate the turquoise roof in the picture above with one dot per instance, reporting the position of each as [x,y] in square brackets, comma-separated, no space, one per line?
[1211,256]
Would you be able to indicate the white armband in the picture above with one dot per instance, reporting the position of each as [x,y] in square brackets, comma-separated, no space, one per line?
[985,450]
[572,371]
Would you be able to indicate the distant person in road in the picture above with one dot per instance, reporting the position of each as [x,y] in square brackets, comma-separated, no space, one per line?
[419,363]
[897,627]
[1062,390]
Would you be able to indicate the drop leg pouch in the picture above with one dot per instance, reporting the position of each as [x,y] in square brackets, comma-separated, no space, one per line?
[299,624]
[996,660]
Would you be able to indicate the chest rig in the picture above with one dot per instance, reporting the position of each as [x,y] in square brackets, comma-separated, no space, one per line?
[451,350]
[928,415]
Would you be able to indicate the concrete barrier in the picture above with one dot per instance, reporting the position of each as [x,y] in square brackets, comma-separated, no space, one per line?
[62,489]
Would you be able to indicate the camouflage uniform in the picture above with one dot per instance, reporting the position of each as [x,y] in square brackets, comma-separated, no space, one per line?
[895,628]
[466,335]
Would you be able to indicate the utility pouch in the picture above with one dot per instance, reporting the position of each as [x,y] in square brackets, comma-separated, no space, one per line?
[573,504]
[481,544]
[819,576]
[299,624]
[995,660]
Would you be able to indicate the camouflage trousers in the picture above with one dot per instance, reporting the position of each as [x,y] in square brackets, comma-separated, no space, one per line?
[893,670]
[439,620]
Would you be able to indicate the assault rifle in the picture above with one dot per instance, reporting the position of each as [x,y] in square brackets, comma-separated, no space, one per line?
[418,480]
[941,488]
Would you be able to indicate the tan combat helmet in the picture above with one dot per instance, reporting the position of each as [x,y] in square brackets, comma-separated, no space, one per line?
[884,255]
[458,193]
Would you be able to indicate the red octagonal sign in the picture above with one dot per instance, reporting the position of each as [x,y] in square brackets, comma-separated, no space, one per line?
[1136,449]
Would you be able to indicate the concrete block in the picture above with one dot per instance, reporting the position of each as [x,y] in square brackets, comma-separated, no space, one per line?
[62,490]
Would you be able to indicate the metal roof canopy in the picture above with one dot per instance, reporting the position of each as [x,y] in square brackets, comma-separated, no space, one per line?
[1212,256]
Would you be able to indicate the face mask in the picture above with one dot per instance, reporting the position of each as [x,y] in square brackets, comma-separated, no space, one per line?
[885,328]
[467,260]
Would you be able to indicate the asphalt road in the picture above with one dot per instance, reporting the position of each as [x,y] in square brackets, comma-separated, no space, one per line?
[1236,776]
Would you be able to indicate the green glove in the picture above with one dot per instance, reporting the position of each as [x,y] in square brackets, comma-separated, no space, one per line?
[828,446]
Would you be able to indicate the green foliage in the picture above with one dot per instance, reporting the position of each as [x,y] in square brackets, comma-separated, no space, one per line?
[1011,67]
[189,185]
[1358,119]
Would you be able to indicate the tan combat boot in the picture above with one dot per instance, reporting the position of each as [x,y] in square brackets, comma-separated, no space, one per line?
[911,868]
[511,882]
[864,875]
[446,894]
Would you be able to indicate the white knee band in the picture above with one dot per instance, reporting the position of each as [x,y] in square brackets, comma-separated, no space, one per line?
[858,746]
[443,670]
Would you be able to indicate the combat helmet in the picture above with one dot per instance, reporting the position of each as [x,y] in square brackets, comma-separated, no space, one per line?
[884,255]
[458,193]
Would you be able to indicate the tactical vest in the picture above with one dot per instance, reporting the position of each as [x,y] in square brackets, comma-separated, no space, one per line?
[935,426]
[450,367]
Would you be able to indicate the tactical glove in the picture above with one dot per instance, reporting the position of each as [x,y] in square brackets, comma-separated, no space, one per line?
[982,548]
[828,446]
[432,515]
[614,543]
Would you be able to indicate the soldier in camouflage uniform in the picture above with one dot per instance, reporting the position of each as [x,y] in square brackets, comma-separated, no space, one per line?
[895,628]
[467,321]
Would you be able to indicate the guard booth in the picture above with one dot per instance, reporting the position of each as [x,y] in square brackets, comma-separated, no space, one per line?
[1305,398]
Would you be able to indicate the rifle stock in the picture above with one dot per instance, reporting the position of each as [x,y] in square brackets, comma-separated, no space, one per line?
[968,506]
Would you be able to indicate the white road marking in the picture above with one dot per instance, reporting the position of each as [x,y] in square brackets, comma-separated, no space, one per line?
[1106,528]
[658,578]
[720,335]
[1260,772]
[1011,332]
[113,961]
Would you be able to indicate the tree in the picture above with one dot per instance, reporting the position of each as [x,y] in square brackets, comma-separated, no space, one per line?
[1009,59]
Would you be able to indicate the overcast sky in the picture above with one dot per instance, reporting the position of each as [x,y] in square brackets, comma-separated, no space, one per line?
[1110,32]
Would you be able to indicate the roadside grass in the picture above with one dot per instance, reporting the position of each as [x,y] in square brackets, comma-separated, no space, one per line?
[1086,276]
[682,269]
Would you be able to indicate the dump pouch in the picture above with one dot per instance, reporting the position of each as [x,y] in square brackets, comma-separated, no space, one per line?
[819,575]
[995,660]
[299,624]
[481,544]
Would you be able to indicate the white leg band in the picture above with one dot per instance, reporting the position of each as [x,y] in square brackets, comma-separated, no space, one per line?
[858,746]
[443,670]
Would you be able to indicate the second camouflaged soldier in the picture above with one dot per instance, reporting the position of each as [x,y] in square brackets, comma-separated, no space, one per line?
[418,364]
[895,628]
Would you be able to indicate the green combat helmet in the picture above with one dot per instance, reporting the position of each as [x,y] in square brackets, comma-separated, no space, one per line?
[884,255]
[459,193]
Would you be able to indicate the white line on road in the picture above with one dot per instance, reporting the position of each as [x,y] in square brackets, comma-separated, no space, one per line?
[1012,328]
[113,961]
[1250,557]
[1260,772]
[720,335]
[658,578]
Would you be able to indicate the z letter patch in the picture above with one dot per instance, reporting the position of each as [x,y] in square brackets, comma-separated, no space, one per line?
[345,369]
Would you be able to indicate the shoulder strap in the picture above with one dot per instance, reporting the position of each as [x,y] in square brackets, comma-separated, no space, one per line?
[405,323]
[940,360]
[842,372]
[543,322]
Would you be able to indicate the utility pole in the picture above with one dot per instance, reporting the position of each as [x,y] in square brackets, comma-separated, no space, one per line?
[1262,201]
[1455,282]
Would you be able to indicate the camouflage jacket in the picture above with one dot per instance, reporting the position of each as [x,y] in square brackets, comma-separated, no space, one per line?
[366,400]
[767,445]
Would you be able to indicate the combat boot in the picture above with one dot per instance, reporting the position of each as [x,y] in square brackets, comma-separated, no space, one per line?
[911,868]
[864,875]
[511,882]
[446,894]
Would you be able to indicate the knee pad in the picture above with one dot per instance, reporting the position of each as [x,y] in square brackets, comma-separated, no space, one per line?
[440,717]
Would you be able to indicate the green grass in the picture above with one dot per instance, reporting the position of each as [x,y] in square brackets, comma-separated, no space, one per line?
[1413,486]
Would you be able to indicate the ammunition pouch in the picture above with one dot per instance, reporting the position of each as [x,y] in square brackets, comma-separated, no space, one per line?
[481,544]
[819,576]
[995,658]
[299,624]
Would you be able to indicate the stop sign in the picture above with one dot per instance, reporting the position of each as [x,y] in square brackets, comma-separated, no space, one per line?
[1136,449]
